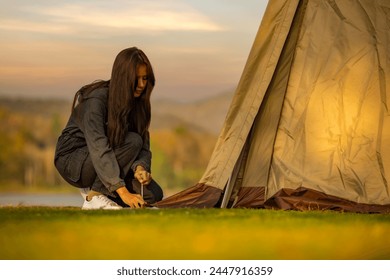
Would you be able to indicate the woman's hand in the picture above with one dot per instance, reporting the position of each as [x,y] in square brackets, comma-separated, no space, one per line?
[133,200]
[143,176]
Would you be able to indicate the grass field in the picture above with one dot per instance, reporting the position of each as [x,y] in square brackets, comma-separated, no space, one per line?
[69,233]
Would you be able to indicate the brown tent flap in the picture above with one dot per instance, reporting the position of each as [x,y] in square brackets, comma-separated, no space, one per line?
[198,196]
[302,199]
[309,124]
[306,199]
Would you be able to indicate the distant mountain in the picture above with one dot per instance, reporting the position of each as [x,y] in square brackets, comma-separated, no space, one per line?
[206,115]
[43,107]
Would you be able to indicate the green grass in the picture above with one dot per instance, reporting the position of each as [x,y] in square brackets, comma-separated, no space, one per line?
[69,233]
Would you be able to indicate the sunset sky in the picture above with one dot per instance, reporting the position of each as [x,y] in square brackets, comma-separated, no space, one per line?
[197,48]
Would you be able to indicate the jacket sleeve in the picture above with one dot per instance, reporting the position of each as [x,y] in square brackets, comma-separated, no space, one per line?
[145,156]
[102,155]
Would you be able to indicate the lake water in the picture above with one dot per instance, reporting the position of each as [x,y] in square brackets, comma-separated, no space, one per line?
[49,199]
[13,199]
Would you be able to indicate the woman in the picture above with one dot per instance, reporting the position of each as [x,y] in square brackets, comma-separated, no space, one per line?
[104,148]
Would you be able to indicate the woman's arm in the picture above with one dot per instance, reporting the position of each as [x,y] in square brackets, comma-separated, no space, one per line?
[102,155]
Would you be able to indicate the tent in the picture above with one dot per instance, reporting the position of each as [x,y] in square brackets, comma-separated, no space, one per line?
[309,124]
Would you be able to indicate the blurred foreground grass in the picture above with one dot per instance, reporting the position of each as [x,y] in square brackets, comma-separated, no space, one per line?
[69,233]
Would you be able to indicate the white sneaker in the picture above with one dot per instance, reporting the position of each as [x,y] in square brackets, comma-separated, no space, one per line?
[100,202]
[84,192]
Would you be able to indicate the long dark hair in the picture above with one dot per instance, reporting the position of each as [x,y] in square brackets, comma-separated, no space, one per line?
[125,112]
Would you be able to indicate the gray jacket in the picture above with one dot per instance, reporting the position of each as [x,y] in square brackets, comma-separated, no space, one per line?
[87,126]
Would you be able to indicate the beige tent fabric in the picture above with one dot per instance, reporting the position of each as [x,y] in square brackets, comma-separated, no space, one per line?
[334,134]
[309,125]
[250,91]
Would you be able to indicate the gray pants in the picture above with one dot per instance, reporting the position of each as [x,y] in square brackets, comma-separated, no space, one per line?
[125,154]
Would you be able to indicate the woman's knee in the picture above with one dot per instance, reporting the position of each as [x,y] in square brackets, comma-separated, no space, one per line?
[134,140]
[130,148]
